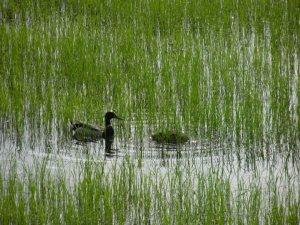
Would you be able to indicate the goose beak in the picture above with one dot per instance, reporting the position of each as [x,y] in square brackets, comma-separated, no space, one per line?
[119,118]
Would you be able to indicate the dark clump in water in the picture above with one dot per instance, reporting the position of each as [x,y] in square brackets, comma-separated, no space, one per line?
[171,137]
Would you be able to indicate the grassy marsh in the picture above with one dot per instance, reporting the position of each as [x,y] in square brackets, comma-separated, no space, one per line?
[202,67]
[225,73]
[124,194]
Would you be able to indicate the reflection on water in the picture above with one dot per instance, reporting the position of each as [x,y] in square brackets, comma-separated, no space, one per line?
[237,164]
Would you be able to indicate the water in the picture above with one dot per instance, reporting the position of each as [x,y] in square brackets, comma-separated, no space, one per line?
[238,164]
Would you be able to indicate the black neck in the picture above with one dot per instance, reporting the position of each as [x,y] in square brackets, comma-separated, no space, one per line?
[107,122]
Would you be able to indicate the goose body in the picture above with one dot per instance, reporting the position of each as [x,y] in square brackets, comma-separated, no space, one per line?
[88,133]
[85,132]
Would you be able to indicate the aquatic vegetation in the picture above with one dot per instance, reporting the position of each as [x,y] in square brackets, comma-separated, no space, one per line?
[209,68]
[224,72]
[170,137]
[124,194]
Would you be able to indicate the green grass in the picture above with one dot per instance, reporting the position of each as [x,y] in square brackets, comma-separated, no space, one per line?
[222,71]
[203,67]
[127,194]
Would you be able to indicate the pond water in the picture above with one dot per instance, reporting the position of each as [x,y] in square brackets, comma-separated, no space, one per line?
[238,164]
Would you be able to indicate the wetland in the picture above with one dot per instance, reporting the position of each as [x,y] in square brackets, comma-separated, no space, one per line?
[209,96]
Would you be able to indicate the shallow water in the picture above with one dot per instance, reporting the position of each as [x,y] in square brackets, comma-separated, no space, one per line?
[238,164]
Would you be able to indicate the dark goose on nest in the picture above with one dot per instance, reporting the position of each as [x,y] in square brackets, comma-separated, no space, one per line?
[88,133]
